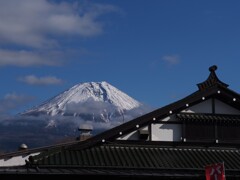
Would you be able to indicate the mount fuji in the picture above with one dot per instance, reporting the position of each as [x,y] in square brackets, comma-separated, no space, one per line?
[91,101]
[98,104]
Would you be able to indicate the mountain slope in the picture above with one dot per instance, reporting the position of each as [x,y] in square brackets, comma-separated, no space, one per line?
[91,101]
[97,104]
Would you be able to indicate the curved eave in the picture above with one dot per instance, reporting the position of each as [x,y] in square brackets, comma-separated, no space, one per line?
[222,93]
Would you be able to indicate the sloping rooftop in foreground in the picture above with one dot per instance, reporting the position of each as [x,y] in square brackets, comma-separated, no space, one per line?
[173,142]
[141,156]
[132,160]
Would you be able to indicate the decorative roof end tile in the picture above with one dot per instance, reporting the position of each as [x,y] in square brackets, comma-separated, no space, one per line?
[211,80]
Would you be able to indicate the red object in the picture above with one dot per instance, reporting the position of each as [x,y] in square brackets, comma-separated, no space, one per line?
[215,172]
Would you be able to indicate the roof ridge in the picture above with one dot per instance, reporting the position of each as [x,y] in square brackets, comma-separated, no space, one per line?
[211,80]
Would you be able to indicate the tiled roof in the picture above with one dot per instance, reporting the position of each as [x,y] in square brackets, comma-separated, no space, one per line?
[141,156]
[226,95]
[109,173]
[209,117]
[93,157]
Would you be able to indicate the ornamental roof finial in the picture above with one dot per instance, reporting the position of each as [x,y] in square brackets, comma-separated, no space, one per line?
[213,68]
[211,80]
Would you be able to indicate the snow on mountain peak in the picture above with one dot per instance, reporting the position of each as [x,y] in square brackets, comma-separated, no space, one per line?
[100,92]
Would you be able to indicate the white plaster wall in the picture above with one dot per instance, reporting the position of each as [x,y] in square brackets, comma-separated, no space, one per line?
[166,132]
[144,128]
[131,136]
[16,161]
[203,107]
[223,108]
[206,107]
[170,132]
[169,118]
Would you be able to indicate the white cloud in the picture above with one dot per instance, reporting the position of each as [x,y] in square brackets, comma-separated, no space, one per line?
[37,23]
[171,59]
[25,58]
[35,30]
[12,101]
[47,80]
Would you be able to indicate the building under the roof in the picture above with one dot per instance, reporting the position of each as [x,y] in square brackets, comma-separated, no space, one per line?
[174,142]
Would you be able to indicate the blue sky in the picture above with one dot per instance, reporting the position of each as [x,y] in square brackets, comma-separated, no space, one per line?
[155,51]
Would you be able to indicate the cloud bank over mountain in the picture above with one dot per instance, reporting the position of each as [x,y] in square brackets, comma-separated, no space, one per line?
[98,104]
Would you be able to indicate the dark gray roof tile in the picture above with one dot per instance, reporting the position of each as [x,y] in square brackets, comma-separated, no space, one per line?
[142,156]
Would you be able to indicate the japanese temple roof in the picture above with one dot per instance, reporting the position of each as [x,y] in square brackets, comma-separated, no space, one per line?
[104,155]
[211,118]
[211,80]
[215,89]
[117,173]
[127,160]
[140,158]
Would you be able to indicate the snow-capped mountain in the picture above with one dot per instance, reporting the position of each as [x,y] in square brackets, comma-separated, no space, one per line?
[90,101]
[96,104]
